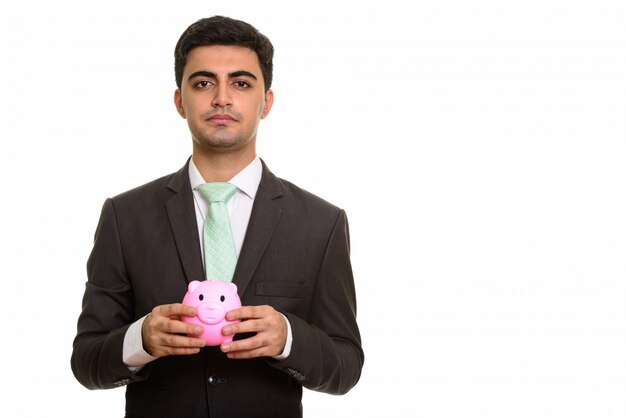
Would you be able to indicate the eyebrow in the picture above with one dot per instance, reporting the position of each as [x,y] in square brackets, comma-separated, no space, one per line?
[210,74]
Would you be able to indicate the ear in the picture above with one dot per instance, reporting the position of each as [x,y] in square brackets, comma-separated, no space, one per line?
[233,288]
[178,102]
[269,101]
[193,286]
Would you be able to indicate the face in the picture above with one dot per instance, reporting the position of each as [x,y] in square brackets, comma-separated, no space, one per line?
[223,98]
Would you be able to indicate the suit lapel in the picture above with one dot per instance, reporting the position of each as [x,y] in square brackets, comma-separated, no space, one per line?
[265,214]
[182,218]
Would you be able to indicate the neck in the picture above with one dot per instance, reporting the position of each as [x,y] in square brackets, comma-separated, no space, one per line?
[221,167]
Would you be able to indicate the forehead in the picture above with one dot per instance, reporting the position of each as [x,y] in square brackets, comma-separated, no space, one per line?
[222,59]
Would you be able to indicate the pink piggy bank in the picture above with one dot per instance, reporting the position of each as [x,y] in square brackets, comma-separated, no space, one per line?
[212,299]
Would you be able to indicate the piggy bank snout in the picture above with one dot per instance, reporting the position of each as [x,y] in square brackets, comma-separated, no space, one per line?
[211,313]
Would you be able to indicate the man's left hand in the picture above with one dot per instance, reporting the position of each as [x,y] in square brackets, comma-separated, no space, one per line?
[268,324]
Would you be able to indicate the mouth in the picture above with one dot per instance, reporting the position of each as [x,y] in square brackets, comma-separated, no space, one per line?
[210,319]
[221,119]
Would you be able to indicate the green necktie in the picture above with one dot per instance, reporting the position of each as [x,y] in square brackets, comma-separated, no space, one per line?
[220,256]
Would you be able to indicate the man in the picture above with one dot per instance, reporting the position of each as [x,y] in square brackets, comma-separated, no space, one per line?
[298,316]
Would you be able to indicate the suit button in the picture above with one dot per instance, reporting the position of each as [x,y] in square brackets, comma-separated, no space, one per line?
[216,380]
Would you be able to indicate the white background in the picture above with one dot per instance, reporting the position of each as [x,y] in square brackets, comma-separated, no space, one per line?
[478,148]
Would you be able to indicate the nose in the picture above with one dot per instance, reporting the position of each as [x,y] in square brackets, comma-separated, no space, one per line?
[211,313]
[222,96]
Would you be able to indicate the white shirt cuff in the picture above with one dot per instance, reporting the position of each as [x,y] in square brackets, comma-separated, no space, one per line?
[288,343]
[133,354]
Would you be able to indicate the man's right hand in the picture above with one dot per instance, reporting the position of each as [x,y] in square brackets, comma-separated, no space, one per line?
[164,334]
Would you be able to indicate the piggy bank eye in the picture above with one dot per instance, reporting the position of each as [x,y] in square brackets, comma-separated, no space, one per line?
[222,298]
[201,297]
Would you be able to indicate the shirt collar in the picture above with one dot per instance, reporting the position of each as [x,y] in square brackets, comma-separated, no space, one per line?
[247,180]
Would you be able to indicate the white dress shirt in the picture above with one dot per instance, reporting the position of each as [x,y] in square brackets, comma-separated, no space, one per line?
[239,209]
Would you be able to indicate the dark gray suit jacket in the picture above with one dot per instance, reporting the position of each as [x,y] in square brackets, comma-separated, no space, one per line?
[295,257]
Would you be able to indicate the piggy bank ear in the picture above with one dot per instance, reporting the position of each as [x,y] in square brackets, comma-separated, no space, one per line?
[193,286]
[233,288]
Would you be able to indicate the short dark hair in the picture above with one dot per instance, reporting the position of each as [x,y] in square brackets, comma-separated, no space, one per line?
[220,30]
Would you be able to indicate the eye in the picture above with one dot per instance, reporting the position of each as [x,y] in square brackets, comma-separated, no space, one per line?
[242,84]
[202,84]
[201,297]
[222,298]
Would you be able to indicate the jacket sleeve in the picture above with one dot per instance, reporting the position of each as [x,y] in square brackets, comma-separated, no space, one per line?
[326,354]
[107,311]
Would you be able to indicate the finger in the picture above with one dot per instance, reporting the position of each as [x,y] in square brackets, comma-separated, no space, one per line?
[242,355]
[251,325]
[248,344]
[174,309]
[182,351]
[248,312]
[179,327]
[171,326]
[178,341]
[179,347]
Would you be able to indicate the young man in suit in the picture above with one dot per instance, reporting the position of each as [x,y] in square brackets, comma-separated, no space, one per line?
[298,320]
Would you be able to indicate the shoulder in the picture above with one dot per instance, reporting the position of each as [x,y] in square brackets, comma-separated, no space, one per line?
[144,190]
[154,192]
[305,198]
[299,205]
